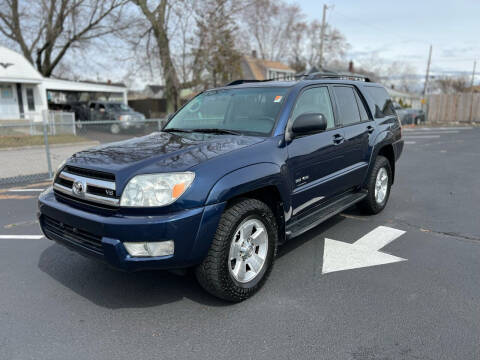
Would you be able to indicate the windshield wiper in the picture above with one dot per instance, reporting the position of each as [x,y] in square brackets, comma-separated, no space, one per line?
[216,131]
[177,130]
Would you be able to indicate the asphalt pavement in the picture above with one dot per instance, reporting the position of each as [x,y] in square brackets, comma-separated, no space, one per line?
[56,304]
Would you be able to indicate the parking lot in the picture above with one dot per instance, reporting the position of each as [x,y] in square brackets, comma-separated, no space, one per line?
[56,304]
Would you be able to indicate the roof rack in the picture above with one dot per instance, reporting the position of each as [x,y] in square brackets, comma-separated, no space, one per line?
[335,75]
[245,81]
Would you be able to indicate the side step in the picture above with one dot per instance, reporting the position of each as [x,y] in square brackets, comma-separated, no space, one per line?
[322,214]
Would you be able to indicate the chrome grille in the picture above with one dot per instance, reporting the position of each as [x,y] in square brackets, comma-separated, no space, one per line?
[87,188]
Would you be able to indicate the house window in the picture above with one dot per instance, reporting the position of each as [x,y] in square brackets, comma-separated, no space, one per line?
[6,91]
[30,99]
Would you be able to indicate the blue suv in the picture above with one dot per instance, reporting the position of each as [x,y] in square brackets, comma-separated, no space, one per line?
[234,173]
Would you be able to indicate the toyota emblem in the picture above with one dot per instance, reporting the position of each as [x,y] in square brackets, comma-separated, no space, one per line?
[78,188]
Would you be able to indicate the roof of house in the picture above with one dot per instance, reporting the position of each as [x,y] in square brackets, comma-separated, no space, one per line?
[155,88]
[14,67]
[256,68]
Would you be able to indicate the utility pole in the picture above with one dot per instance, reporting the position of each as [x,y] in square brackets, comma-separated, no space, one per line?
[322,36]
[471,91]
[425,87]
[427,75]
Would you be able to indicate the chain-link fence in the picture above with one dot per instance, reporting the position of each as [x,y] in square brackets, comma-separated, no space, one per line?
[32,148]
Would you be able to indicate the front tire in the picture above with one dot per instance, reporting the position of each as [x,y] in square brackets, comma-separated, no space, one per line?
[115,129]
[378,187]
[242,252]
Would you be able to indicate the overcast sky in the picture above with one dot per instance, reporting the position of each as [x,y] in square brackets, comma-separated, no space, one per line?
[403,30]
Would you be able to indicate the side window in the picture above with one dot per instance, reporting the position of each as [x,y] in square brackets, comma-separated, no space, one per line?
[383,103]
[6,91]
[361,107]
[347,105]
[315,100]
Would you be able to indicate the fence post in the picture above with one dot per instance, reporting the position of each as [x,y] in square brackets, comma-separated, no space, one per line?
[73,123]
[45,139]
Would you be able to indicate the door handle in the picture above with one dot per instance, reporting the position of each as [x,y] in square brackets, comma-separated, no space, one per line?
[370,129]
[338,139]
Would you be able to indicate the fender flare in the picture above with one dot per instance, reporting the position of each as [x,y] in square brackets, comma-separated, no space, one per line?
[383,138]
[247,179]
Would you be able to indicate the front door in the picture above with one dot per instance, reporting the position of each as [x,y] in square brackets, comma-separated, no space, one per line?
[30,106]
[314,160]
[8,102]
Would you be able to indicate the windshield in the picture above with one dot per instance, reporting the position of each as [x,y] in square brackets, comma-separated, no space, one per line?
[118,107]
[248,111]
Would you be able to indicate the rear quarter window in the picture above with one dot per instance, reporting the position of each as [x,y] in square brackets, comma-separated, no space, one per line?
[383,103]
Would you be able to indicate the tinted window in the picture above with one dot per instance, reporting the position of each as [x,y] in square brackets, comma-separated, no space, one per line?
[361,107]
[249,110]
[347,105]
[315,100]
[383,103]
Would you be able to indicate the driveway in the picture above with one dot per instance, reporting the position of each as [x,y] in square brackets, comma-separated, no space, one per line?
[56,304]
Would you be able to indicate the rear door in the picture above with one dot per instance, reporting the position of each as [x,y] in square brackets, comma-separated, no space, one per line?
[358,126]
[314,160]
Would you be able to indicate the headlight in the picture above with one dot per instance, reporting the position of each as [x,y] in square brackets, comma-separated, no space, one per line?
[156,189]
[124,118]
[62,164]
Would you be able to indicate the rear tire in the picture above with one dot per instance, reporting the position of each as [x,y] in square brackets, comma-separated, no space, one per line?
[242,252]
[378,187]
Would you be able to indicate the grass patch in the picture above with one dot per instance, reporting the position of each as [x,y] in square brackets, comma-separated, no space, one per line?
[25,140]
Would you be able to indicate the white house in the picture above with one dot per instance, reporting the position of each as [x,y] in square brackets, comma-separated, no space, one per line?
[24,91]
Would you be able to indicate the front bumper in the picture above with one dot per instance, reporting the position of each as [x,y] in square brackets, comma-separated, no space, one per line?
[129,124]
[102,236]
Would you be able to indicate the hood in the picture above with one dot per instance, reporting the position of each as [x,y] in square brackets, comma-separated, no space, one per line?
[159,152]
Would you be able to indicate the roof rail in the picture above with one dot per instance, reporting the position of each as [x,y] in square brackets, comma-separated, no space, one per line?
[334,75]
[245,81]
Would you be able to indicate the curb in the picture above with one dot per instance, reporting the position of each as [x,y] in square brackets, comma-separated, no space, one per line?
[50,146]
[15,180]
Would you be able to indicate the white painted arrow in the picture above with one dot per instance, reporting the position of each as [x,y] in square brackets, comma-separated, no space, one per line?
[338,255]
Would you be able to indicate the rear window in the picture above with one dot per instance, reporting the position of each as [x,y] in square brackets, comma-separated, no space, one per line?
[383,103]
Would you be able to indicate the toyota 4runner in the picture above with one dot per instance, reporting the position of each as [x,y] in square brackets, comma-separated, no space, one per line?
[237,171]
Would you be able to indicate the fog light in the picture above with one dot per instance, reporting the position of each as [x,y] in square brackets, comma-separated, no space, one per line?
[143,249]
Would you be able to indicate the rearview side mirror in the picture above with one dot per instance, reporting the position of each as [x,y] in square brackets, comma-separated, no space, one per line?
[309,123]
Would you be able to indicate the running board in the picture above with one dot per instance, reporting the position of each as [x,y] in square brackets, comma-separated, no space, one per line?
[320,215]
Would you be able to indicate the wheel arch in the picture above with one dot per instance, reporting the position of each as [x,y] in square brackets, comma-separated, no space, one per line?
[388,152]
[383,147]
[262,181]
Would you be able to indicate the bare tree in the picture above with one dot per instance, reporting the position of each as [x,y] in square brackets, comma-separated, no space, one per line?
[268,25]
[450,85]
[335,45]
[216,57]
[159,20]
[297,59]
[46,30]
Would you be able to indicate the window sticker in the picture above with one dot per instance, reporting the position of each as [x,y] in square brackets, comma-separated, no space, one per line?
[278,98]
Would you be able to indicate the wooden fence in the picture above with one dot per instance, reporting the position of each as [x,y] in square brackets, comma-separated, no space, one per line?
[454,108]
